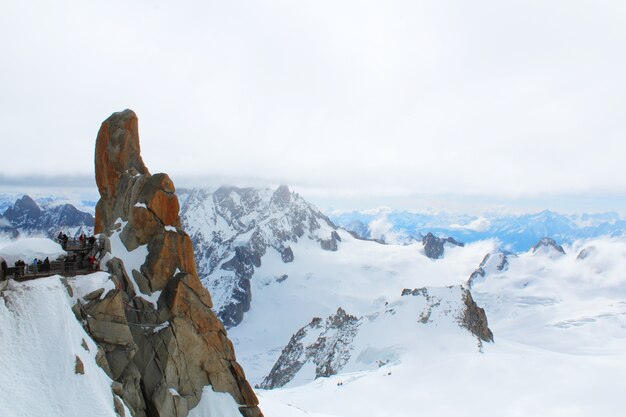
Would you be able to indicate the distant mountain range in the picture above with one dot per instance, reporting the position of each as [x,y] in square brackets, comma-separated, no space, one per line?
[25,216]
[516,232]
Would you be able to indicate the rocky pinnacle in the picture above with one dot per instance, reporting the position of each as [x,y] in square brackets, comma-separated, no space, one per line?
[158,338]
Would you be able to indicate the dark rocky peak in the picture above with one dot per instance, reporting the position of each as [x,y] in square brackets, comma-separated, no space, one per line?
[548,243]
[281,197]
[235,204]
[26,205]
[69,216]
[434,246]
[25,213]
[159,340]
[340,319]
[27,216]
[474,319]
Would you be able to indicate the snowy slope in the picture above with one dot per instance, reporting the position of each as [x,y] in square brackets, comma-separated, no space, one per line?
[559,322]
[40,341]
[573,302]
[508,380]
[48,362]
[360,277]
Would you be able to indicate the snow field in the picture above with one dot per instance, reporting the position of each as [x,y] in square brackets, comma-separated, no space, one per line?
[559,324]
[40,339]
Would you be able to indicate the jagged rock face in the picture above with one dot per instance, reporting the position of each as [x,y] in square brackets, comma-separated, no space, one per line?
[157,333]
[329,351]
[117,154]
[232,230]
[475,320]
[434,246]
[27,216]
[548,244]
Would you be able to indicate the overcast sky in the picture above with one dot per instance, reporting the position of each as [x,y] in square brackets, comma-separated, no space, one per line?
[508,100]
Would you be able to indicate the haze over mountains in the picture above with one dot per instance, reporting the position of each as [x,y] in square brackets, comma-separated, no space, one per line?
[516,232]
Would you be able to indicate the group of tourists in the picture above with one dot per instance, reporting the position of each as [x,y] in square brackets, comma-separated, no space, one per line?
[82,240]
[62,238]
[20,266]
[37,266]
[73,263]
[80,257]
[41,266]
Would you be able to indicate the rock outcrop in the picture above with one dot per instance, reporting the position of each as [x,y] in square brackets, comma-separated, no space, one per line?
[474,319]
[158,337]
[469,316]
[434,246]
[323,343]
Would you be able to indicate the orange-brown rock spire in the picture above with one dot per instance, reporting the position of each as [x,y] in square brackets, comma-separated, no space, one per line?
[158,337]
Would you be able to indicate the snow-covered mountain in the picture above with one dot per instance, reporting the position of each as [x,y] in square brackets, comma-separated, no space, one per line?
[516,233]
[50,364]
[373,329]
[84,200]
[279,270]
[233,229]
[27,217]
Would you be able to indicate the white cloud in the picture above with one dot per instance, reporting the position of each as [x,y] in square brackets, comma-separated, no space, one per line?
[381,228]
[399,97]
[480,224]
